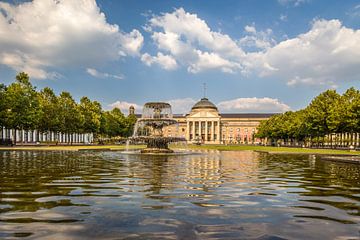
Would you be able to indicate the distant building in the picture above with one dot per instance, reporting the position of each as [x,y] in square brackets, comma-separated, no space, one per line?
[204,124]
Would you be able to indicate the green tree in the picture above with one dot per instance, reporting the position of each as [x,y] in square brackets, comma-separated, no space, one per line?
[319,113]
[49,106]
[348,110]
[71,120]
[91,112]
[129,125]
[114,123]
[3,106]
[23,105]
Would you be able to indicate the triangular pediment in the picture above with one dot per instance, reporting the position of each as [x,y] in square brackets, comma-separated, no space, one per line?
[203,115]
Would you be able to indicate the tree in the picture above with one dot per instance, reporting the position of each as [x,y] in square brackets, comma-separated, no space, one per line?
[49,106]
[114,123]
[130,123]
[71,120]
[320,111]
[91,113]
[348,110]
[23,105]
[327,113]
[3,106]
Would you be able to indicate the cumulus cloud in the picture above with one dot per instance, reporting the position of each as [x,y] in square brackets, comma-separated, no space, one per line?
[182,105]
[124,106]
[95,73]
[244,105]
[165,61]
[189,40]
[326,55]
[41,35]
[257,39]
[253,105]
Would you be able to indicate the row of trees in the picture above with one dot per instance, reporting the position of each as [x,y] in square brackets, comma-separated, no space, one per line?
[330,119]
[22,107]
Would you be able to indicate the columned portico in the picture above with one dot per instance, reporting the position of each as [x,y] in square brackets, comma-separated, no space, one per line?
[204,124]
[202,120]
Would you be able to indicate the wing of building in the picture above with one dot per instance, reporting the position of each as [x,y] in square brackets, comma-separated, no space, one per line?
[204,124]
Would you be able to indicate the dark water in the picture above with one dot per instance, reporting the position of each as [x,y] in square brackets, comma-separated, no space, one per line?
[215,195]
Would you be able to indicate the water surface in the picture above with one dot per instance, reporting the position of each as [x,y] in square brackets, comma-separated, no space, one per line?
[213,195]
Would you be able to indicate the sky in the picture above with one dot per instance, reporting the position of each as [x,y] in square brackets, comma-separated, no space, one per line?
[253,56]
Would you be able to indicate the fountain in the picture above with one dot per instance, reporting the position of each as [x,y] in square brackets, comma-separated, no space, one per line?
[149,128]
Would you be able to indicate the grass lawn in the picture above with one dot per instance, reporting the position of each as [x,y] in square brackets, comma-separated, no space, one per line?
[273,149]
[70,148]
[193,147]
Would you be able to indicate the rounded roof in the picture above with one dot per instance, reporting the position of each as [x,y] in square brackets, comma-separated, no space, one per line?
[157,105]
[204,103]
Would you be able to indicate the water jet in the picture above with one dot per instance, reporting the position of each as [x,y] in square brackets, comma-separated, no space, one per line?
[149,128]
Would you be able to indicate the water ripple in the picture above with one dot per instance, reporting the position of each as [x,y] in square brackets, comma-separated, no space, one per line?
[214,195]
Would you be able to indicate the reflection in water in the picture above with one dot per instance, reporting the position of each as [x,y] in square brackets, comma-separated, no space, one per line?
[234,195]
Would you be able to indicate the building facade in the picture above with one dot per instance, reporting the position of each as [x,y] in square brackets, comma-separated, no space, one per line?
[204,124]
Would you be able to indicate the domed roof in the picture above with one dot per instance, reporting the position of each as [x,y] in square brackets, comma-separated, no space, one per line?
[204,103]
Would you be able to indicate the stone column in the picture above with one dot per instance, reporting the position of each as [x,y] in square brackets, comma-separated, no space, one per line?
[206,131]
[212,130]
[199,129]
[218,131]
[193,129]
[187,131]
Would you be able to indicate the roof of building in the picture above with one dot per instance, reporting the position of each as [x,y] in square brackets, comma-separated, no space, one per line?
[204,103]
[230,115]
[247,115]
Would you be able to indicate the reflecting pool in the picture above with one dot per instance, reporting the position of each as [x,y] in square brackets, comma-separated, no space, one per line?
[211,195]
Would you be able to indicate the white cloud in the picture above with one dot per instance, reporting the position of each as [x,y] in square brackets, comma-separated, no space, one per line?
[178,106]
[326,55]
[165,61]
[283,17]
[250,29]
[295,3]
[248,105]
[191,42]
[253,105]
[354,12]
[43,34]
[257,39]
[182,105]
[132,42]
[95,73]
[124,106]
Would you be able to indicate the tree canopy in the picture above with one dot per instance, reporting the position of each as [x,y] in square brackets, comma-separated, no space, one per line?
[23,107]
[327,113]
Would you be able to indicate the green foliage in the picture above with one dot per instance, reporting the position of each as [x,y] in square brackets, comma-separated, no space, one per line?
[22,107]
[320,112]
[91,111]
[49,115]
[114,123]
[3,105]
[327,113]
[23,110]
[71,119]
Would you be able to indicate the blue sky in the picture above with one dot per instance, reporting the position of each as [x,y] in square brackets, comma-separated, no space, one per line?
[254,56]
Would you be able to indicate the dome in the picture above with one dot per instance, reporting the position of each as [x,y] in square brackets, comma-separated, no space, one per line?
[204,103]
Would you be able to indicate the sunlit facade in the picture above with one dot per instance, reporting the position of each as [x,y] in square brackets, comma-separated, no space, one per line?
[204,124]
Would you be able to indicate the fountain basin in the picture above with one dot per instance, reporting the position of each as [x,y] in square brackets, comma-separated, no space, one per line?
[149,128]
[156,144]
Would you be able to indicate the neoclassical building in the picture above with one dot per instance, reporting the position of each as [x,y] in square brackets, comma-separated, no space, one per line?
[204,124]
